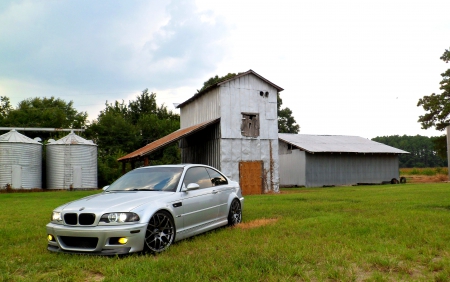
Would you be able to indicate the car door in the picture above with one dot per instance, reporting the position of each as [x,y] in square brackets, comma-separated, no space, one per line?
[201,205]
[222,190]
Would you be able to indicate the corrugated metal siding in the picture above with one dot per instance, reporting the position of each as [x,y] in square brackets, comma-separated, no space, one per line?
[206,107]
[28,157]
[234,151]
[293,168]
[242,95]
[202,147]
[349,169]
[61,160]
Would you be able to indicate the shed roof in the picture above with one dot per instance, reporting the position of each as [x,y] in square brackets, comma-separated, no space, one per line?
[337,144]
[15,137]
[201,93]
[166,140]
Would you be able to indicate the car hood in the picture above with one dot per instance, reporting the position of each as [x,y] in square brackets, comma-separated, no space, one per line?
[114,201]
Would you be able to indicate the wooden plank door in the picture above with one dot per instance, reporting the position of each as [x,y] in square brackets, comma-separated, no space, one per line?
[251,177]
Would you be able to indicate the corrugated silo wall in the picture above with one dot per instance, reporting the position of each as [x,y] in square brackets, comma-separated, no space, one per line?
[63,159]
[202,147]
[348,169]
[28,157]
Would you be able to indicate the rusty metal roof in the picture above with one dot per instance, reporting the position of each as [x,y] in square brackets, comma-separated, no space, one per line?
[197,95]
[337,143]
[166,140]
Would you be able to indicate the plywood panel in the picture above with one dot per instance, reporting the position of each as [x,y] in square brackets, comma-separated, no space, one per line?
[250,177]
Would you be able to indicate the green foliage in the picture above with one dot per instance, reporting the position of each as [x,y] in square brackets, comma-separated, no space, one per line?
[5,107]
[121,129]
[437,106]
[421,148]
[42,112]
[216,79]
[286,122]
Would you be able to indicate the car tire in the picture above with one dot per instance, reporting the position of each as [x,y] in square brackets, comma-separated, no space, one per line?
[235,214]
[160,232]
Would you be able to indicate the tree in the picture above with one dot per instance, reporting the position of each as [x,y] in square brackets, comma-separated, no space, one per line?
[41,112]
[122,129]
[421,148]
[286,122]
[216,79]
[437,106]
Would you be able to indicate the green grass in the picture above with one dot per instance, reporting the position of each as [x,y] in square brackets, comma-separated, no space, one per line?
[362,233]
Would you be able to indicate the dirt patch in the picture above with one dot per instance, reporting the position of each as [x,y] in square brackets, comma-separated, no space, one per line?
[94,277]
[426,178]
[256,223]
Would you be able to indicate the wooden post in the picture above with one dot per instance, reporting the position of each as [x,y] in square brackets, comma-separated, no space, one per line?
[123,167]
[146,161]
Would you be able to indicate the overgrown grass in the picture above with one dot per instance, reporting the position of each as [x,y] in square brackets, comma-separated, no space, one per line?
[429,171]
[363,233]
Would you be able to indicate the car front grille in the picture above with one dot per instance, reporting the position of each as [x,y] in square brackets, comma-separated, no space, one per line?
[79,242]
[81,219]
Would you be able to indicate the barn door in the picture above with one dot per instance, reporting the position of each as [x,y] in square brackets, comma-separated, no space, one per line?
[251,177]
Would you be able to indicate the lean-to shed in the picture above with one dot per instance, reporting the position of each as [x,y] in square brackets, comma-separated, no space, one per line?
[233,126]
[71,163]
[20,161]
[323,160]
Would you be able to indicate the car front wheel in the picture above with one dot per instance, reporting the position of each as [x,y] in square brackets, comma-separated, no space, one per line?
[160,232]
[235,214]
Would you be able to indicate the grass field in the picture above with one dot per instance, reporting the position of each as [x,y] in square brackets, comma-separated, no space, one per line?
[362,233]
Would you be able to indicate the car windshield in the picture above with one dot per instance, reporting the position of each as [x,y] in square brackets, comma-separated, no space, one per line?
[148,179]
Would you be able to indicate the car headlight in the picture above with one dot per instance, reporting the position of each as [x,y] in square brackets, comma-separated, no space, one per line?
[119,217]
[56,216]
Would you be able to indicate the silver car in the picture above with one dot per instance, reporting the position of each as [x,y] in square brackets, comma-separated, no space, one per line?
[147,209]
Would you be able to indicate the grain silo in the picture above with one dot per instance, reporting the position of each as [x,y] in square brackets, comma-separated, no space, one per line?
[20,161]
[71,163]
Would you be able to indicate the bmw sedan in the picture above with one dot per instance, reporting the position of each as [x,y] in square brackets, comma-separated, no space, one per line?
[147,209]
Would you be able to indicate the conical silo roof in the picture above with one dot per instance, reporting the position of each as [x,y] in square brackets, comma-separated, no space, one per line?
[71,139]
[15,137]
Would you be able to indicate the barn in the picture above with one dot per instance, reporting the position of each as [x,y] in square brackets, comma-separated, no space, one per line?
[232,126]
[328,160]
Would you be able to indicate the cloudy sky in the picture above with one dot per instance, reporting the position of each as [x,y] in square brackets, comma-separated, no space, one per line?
[347,67]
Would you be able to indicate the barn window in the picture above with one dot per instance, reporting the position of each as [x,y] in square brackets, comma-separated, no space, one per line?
[250,125]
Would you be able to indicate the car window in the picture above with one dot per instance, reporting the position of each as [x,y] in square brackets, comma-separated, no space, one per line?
[197,175]
[149,179]
[216,178]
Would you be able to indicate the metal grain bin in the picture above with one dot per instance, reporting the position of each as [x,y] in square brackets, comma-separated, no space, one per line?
[20,161]
[71,163]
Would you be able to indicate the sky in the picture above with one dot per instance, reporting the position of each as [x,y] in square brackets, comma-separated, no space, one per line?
[347,67]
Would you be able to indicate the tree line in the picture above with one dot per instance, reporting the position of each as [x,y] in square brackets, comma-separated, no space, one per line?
[422,150]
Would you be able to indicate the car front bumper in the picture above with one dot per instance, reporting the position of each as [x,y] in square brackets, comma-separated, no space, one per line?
[100,240]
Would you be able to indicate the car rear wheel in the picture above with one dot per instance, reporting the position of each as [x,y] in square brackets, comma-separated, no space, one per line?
[160,232]
[235,214]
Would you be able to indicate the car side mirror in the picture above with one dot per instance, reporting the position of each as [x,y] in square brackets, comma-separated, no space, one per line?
[106,187]
[190,187]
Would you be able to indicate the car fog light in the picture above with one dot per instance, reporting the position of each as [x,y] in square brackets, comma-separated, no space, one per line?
[50,237]
[123,241]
